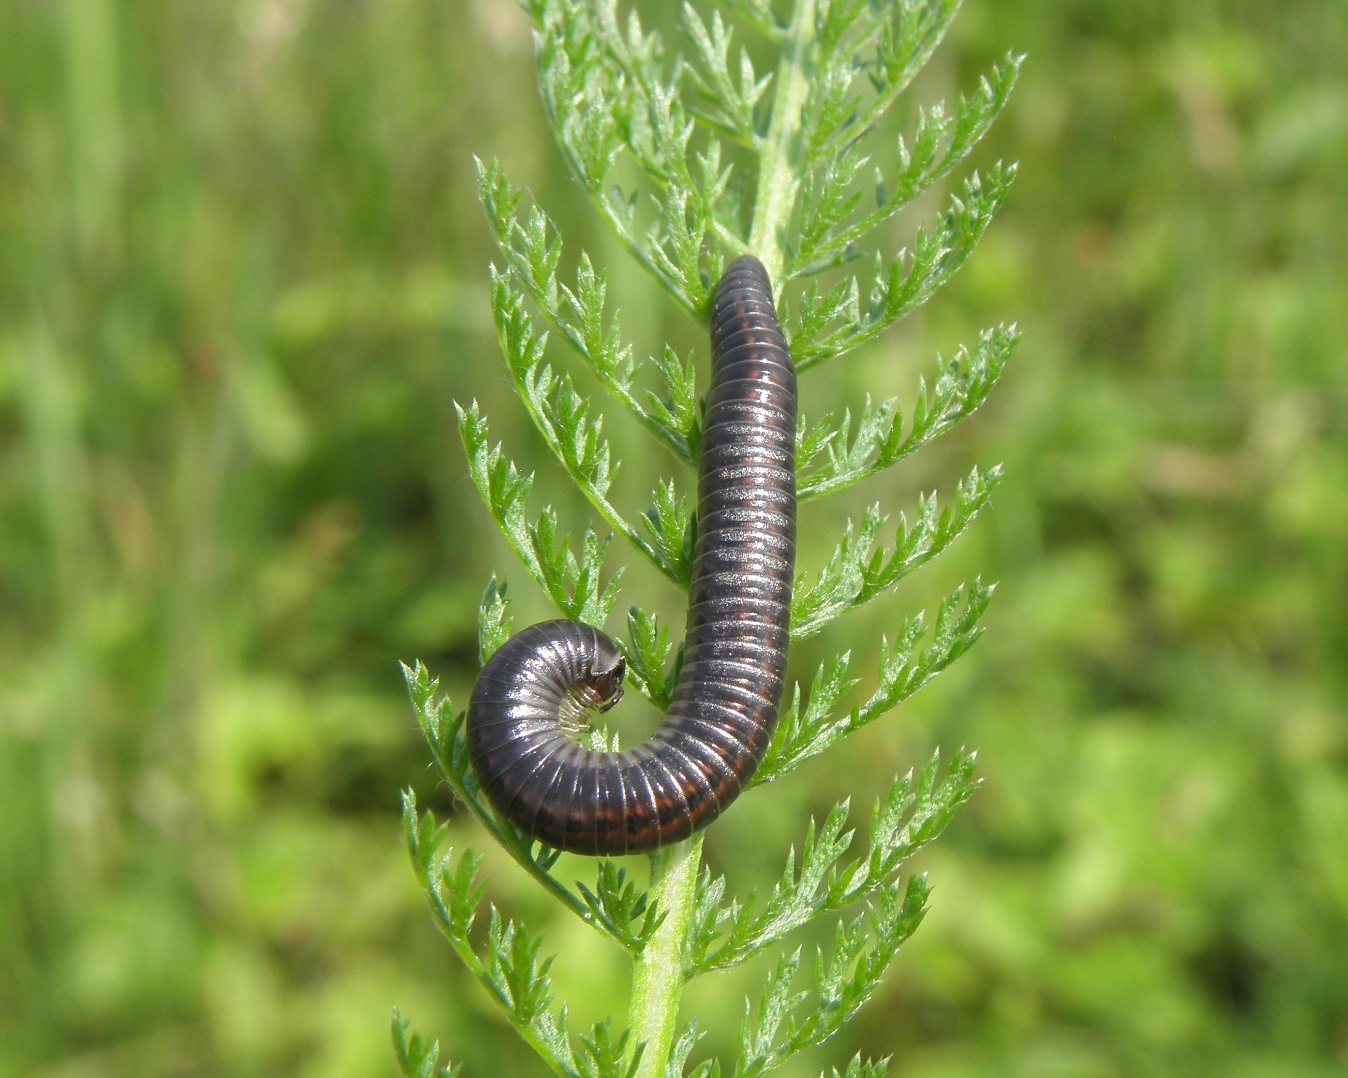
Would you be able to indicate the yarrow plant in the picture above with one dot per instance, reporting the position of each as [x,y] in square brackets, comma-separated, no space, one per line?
[693,159]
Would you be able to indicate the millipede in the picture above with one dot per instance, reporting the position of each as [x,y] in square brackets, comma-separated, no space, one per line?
[724,708]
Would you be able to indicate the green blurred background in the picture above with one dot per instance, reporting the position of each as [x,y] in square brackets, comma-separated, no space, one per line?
[242,277]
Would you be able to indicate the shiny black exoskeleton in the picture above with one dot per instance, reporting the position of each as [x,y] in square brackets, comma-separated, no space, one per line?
[725,706]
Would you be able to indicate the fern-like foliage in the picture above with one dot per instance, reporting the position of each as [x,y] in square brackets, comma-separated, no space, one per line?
[809,187]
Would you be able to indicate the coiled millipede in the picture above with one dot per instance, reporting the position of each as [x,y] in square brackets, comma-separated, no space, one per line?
[724,708]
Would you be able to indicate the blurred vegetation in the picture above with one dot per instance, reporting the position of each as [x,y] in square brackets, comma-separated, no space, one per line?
[242,274]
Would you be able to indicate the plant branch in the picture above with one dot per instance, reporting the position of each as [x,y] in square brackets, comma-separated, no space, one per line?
[612,92]
[778,178]
[657,980]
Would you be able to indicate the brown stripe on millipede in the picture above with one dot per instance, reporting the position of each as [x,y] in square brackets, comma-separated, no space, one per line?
[724,708]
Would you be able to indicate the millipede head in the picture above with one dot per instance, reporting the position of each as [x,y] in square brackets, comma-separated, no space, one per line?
[607,685]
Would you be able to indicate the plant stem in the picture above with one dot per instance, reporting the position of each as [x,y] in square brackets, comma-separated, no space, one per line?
[778,179]
[657,979]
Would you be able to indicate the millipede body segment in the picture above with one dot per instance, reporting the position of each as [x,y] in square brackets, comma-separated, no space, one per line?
[724,708]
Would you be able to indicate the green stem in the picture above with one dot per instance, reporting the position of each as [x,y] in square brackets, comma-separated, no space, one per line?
[657,979]
[778,181]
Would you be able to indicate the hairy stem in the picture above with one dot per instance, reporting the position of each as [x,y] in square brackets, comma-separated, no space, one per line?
[657,980]
[778,181]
